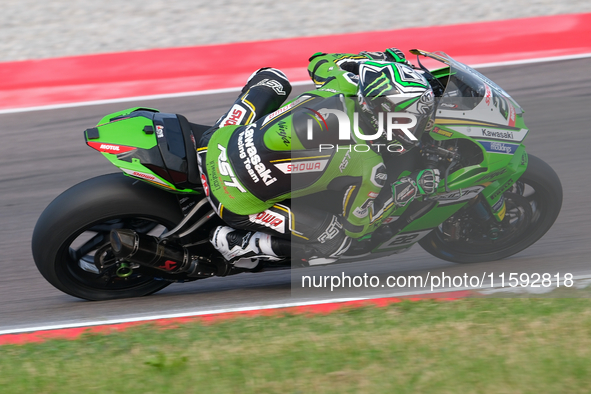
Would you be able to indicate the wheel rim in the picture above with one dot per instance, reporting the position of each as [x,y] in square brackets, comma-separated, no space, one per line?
[527,206]
[92,242]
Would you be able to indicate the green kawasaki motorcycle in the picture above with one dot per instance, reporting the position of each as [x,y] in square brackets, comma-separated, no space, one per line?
[133,233]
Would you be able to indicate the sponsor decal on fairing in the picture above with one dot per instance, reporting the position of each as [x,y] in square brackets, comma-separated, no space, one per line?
[488,132]
[488,95]
[511,116]
[110,148]
[493,175]
[159,131]
[390,219]
[147,177]
[437,130]
[505,135]
[499,147]
[458,195]
[499,204]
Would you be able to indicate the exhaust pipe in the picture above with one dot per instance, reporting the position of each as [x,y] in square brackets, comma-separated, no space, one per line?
[150,251]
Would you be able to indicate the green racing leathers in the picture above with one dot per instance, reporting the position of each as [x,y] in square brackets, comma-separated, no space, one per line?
[256,166]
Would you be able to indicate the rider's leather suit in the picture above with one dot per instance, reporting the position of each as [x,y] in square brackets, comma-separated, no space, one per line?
[258,157]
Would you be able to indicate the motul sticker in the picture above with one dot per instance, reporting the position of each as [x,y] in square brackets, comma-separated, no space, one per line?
[302,166]
[269,219]
[110,148]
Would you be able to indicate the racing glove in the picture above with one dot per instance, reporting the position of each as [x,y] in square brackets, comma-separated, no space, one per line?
[421,182]
[393,55]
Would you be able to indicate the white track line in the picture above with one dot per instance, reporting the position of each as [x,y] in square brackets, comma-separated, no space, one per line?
[237,89]
[582,279]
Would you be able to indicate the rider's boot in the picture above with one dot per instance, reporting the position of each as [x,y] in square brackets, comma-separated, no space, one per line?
[244,248]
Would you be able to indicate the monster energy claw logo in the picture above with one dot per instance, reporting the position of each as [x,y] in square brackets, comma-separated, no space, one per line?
[378,87]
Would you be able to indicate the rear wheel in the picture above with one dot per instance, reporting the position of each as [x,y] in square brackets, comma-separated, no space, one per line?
[72,236]
[533,204]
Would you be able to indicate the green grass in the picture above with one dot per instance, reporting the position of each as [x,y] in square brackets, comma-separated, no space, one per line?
[465,346]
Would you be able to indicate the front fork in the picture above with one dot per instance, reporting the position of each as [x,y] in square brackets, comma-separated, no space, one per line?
[493,201]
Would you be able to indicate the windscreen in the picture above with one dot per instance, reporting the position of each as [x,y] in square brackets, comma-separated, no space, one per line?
[466,87]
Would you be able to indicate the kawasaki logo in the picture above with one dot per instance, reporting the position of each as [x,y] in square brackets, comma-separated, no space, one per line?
[252,161]
[497,134]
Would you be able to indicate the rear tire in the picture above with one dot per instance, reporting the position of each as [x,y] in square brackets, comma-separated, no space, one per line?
[76,225]
[545,203]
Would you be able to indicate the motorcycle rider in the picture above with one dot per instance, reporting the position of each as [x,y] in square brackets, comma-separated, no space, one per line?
[258,156]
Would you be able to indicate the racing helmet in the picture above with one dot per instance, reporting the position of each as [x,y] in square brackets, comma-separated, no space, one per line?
[387,89]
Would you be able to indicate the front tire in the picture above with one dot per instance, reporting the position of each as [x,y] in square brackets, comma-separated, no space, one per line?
[74,230]
[536,197]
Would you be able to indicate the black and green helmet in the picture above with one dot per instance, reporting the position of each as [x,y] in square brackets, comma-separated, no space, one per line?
[386,89]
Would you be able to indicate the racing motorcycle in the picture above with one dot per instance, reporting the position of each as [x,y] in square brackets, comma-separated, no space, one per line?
[135,232]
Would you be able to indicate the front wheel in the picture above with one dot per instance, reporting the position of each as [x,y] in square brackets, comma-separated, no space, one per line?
[72,234]
[533,204]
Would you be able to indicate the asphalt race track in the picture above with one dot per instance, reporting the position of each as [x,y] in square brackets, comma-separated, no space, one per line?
[43,153]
